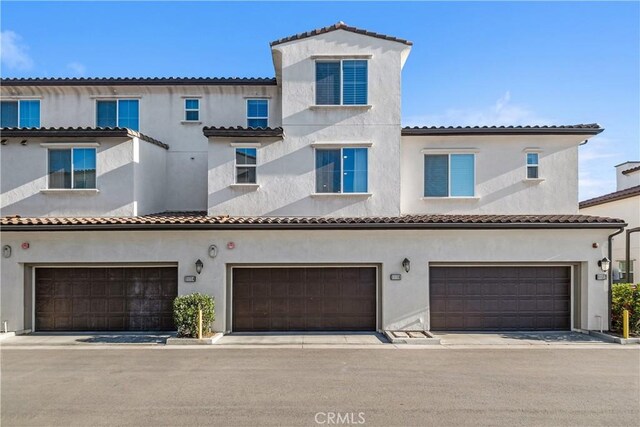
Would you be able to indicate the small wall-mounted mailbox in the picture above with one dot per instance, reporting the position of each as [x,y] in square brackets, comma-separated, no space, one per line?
[189,279]
[396,277]
[601,276]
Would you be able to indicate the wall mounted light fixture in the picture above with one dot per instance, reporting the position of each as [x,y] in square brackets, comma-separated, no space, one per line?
[213,251]
[604,264]
[6,251]
[199,266]
[406,264]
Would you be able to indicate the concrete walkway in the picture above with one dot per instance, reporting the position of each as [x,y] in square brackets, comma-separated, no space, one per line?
[91,338]
[516,338]
[303,338]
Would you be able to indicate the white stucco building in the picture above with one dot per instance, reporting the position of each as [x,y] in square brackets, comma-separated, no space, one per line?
[623,203]
[299,202]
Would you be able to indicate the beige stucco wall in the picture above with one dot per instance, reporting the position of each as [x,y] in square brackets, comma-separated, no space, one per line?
[161,116]
[404,303]
[629,210]
[501,187]
[624,181]
[131,180]
[286,169]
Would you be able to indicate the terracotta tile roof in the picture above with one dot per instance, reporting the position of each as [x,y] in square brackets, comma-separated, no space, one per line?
[632,170]
[239,132]
[581,129]
[186,220]
[338,26]
[78,132]
[616,195]
[139,81]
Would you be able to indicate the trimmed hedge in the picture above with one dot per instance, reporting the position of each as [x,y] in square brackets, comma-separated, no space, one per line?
[625,296]
[185,314]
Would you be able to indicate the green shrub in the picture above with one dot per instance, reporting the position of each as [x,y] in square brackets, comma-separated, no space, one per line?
[185,314]
[625,296]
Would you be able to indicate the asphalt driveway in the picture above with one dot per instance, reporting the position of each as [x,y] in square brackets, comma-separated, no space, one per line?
[78,385]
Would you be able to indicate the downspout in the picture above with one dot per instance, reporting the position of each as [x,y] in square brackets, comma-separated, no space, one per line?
[627,253]
[610,275]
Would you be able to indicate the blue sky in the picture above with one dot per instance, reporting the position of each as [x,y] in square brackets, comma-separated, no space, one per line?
[472,63]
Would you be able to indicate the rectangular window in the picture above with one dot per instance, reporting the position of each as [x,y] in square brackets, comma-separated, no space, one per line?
[532,166]
[257,113]
[246,163]
[342,170]
[24,113]
[342,82]
[192,110]
[118,113]
[449,175]
[72,168]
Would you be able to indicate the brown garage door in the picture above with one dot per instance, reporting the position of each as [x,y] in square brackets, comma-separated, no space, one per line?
[304,299]
[500,298]
[105,299]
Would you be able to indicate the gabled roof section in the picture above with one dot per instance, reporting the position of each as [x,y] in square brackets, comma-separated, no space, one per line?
[78,132]
[338,26]
[199,220]
[242,132]
[581,129]
[140,81]
[611,197]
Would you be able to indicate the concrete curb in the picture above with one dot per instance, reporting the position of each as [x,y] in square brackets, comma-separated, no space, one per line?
[5,335]
[194,341]
[614,339]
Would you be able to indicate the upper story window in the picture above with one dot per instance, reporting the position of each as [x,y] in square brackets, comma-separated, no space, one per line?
[533,166]
[342,170]
[257,113]
[123,113]
[24,113]
[192,110]
[72,168]
[342,82]
[246,163]
[449,175]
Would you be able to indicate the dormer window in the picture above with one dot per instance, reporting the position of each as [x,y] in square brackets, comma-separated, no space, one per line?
[342,82]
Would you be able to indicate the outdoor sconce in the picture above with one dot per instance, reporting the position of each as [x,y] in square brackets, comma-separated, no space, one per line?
[23,142]
[199,266]
[213,251]
[406,264]
[604,264]
[6,251]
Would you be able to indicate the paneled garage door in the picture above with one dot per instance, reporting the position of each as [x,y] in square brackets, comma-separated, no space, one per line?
[105,299]
[500,298]
[304,299]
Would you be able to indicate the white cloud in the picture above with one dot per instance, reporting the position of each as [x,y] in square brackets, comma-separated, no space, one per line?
[13,52]
[78,69]
[502,112]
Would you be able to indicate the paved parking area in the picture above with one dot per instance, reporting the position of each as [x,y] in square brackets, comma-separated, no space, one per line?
[217,385]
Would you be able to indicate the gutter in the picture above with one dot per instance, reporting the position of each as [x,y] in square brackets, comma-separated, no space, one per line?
[178,227]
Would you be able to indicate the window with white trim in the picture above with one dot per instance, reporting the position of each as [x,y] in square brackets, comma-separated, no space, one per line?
[257,113]
[192,110]
[123,113]
[23,113]
[533,166]
[72,168]
[246,165]
[342,82]
[342,170]
[449,175]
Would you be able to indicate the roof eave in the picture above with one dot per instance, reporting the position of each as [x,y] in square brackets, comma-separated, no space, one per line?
[454,132]
[406,226]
